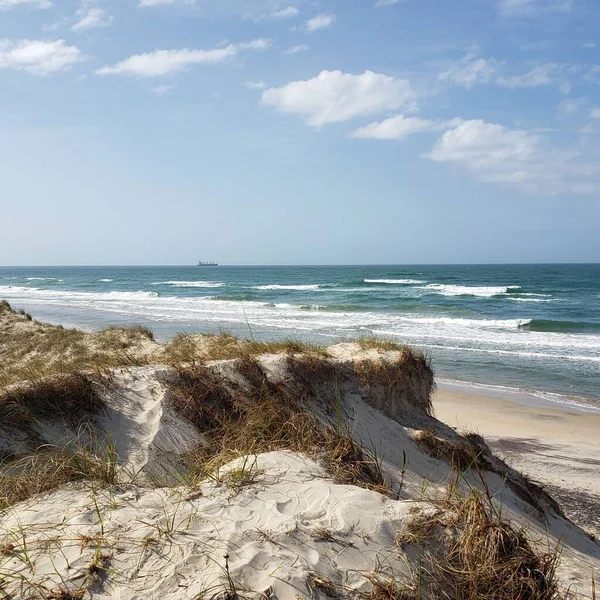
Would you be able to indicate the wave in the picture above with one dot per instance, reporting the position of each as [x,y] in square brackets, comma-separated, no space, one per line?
[131,295]
[105,280]
[466,290]
[548,325]
[191,284]
[43,279]
[395,281]
[288,287]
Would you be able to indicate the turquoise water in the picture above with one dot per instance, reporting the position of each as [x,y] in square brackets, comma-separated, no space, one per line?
[521,326]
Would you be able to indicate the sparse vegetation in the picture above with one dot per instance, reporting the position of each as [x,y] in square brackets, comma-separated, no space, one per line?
[51,468]
[479,555]
[267,417]
[186,349]
[32,351]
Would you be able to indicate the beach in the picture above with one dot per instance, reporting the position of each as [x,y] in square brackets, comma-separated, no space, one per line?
[558,448]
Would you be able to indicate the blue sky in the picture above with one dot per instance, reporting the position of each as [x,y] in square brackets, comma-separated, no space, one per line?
[299,132]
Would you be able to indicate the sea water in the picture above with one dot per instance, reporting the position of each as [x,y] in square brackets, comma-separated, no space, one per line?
[503,327]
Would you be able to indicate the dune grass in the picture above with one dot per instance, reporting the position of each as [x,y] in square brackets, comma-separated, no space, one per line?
[31,351]
[264,418]
[467,551]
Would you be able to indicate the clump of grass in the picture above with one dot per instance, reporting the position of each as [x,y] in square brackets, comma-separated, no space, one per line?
[51,468]
[31,351]
[458,453]
[477,555]
[381,344]
[191,349]
[410,374]
[264,418]
[69,397]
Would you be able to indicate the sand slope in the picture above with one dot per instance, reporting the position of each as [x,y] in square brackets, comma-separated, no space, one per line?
[284,524]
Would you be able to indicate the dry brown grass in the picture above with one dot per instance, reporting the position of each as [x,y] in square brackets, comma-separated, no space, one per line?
[51,468]
[186,349]
[409,374]
[30,351]
[460,454]
[72,397]
[467,551]
[262,418]
[381,344]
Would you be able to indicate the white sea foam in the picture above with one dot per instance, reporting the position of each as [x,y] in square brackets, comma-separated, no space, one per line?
[191,284]
[460,335]
[466,290]
[395,281]
[106,280]
[288,287]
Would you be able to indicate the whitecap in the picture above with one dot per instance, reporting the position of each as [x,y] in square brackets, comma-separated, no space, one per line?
[288,287]
[395,281]
[466,290]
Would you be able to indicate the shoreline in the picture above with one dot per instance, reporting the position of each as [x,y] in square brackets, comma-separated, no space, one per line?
[556,447]
[521,396]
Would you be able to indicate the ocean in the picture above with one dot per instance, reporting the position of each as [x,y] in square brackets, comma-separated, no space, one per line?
[497,328]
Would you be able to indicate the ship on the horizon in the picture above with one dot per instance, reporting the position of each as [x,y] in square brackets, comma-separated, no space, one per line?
[207,264]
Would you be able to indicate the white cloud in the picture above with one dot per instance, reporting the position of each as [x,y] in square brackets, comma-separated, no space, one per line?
[533,8]
[595,112]
[588,45]
[469,71]
[399,127]
[572,106]
[546,74]
[381,3]
[166,62]
[255,85]
[516,158]
[320,22]
[161,90]
[148,3]
[8,4]
[394,128]
[38,57]
[333,96]
[297,49]
[91,17]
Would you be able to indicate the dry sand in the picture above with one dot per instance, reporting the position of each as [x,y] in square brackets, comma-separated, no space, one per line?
[555,447]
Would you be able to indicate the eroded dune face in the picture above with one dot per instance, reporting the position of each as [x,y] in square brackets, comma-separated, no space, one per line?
[273,476]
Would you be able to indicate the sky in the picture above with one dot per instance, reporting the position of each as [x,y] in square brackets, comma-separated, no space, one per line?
[299,132]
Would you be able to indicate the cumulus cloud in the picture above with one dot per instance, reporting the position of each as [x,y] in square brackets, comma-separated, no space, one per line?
[297,49]
[399,127]
[91,17]
[333,96]
[381,3]
[322,21]
[167,62]
[512,157]
[38,57]
[595,112]
[394,128]
[8,4]
[469,71]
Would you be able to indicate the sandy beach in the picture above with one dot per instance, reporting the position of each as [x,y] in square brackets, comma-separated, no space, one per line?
[557,448]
